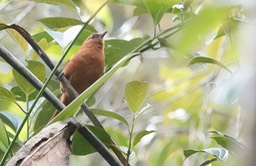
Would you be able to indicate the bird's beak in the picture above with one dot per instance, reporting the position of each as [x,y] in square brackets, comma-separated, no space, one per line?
[102,34]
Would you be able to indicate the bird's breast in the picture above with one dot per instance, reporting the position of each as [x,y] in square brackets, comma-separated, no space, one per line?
[82,71]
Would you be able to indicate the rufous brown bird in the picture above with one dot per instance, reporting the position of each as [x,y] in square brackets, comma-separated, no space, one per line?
[85,67]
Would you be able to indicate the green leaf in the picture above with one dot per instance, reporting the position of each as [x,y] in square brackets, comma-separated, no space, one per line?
[19,40]
[4,141]
[37,68]
[190,152]
[74,105]
[11,120]
[21,96]
[115,49]
[110,114]
[42,115]
[67,3]
[158,8]
[219,153]
[200,59]
[44,46]
[135,94]
[80,146]
[140,135]
[59,22]
[42,35]
[6,94]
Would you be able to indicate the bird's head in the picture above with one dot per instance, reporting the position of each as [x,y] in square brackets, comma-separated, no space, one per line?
[95,40]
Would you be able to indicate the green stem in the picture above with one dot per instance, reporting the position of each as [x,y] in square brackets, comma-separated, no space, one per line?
[130,140]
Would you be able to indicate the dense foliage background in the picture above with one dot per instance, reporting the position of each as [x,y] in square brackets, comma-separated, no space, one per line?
[187,79]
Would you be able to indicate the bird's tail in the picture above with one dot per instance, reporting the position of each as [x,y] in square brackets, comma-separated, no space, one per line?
[65,99]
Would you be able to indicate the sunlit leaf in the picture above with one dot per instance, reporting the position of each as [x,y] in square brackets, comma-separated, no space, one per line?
[67,3]
[201,59]
[140,135]
[80,146]
[59,22]
[6,94]
[5,73]
[110,114]
[135,94]
[19,40]
[42,35]
[4,142]
[44,45]
[37,68]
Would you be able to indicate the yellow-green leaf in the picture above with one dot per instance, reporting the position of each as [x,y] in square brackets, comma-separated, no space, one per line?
[37,68]
[135,94]
[19,40]
[6,94]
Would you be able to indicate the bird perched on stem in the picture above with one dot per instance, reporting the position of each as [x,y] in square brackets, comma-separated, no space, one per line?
[85,67]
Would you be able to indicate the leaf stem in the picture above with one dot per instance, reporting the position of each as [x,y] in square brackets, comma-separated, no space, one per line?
[130,140]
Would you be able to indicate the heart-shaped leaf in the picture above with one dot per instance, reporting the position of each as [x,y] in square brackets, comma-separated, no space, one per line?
[135,94]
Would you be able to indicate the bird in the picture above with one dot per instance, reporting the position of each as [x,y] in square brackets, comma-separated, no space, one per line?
[84,67]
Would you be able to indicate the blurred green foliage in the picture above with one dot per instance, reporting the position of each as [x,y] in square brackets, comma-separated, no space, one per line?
[182,47]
